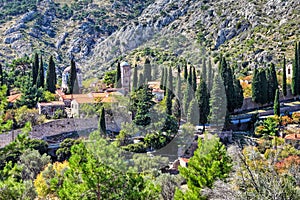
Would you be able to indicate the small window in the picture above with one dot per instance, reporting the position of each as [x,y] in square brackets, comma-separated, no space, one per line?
[289,71]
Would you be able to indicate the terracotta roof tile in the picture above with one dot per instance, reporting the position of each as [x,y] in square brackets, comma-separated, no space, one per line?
[292,137]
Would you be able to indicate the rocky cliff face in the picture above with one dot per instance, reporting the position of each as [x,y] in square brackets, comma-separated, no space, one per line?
[95,33]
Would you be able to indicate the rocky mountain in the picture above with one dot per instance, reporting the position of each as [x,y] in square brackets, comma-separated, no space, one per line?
[97,31]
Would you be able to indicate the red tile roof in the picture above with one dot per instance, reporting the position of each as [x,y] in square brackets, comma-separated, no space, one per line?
[14,98]
[292,137]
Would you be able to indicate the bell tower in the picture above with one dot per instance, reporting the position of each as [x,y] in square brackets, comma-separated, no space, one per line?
[125,76]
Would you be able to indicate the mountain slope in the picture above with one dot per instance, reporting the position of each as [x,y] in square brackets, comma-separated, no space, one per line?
[95,32]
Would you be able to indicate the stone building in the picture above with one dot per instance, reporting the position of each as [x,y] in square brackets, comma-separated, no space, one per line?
[125,76]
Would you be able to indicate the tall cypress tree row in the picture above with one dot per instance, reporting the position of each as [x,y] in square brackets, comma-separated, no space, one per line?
[72,77]
[203,102]
[170,81]
[40,82]
[35,68]
[295,86]
[102,123]
[284,90]
[276,103]
[218,102]
[51,76]
[194,81]
[135,78]
[118,83]
[147,70]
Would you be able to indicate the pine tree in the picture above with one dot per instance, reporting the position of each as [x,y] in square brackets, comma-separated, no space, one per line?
[295,86]
[51,76]
[162,79]
[35,68]
[102,123]
[203,102]
[40,82]
[194,81]
[284,90]
[276,103]
[209,163]
[135,78]
[193,113]
[72,78]
[218,102]
[118,83]
[147,70]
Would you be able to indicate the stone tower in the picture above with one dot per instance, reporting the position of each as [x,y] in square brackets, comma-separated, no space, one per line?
[125,76]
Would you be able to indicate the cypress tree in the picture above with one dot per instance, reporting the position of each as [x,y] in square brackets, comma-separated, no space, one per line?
[51,76]
[204,70]
[1,75]
[147,70]
[102,123]
[72,77]
[284,90]
[227,77]
[238,93]
[162,79]
[40,82]
[263,87]
[118,83]
[210,76]
[193,112]
[255,86]
[185,70]
[297,63]
[169,93]
[178,99]
[276,103]
[35,68]
[165,80]
[295,86]
[187,98]
[272,82]
[135,78]
[140,80]
[218,102]
[190,76]
[203,102]
[194,81]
